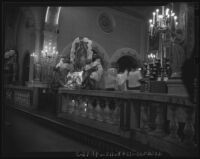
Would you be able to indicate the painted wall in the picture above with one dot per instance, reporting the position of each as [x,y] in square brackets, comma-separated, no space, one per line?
[129,32]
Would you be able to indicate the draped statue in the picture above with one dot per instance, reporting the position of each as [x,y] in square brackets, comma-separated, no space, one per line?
[84,67]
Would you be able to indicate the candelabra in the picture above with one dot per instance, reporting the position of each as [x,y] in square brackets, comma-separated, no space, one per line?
[162,25]
[36,66]
[48,61]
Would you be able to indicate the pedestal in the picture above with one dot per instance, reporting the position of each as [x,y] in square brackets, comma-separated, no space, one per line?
[176,87]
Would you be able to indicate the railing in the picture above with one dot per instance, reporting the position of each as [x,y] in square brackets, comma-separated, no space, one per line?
[20,96]
[164,122]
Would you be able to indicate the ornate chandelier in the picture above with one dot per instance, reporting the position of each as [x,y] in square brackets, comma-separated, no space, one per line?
[166,21]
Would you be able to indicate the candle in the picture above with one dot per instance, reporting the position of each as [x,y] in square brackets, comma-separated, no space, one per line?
[164,52]
[167,11]
[172,21]
[157,11]
[150,21]
[161,20]
[151,29]
[154,14]
[176,25]
[163,10]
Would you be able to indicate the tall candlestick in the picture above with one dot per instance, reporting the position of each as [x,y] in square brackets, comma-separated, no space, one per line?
[154,14]
[163,10]
[151,29]
[167,11]
[157,11]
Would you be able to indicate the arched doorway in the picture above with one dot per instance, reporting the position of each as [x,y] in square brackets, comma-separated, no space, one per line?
[126,58]
[126,63]
[25,68]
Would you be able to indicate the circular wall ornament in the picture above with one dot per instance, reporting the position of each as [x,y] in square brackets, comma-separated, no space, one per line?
[106,22]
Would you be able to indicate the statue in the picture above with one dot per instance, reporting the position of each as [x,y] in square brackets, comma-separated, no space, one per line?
[60,71]
[92,72]
[84,65]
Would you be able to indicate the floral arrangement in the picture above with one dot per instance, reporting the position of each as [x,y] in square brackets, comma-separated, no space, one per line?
[73,80]
[89,48]
[9,54]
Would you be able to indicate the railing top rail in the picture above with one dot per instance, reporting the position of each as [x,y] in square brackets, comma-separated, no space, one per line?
[132,95]
[18,87]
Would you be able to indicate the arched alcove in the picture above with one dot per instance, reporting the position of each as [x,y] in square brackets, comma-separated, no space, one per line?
[126,63]
[126,58]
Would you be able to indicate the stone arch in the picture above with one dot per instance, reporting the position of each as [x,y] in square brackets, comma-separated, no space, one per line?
[103,53]
[126,52]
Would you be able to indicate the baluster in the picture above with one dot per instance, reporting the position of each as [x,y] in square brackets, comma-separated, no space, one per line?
[78,106]
[64,107]
[144,117]
[71,105]
[98,111]
[18,97]
[107,112]
[81,105]
[84,107]
[28,98]
[22,96]
[116,112]
[189,128]
[173,126]
[159,121]
[90,108]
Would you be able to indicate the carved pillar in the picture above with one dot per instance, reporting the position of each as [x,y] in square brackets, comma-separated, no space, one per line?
[90,108]
[99,111]
[107,111]
[173,126]
[135,114]
[71,104]
[189,128]
[160,120]
[144,117]
[116,112]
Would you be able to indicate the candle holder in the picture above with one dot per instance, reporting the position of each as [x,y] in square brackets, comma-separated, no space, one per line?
[48,61]
[163,24]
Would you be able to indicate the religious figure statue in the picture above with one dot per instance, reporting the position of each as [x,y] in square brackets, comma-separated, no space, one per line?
[84,65]
[60,71]
[92,72]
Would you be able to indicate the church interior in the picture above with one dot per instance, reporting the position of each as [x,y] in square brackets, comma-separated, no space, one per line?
[117,81]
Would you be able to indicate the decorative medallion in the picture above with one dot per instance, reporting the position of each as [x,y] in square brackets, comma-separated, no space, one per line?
[106,22]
